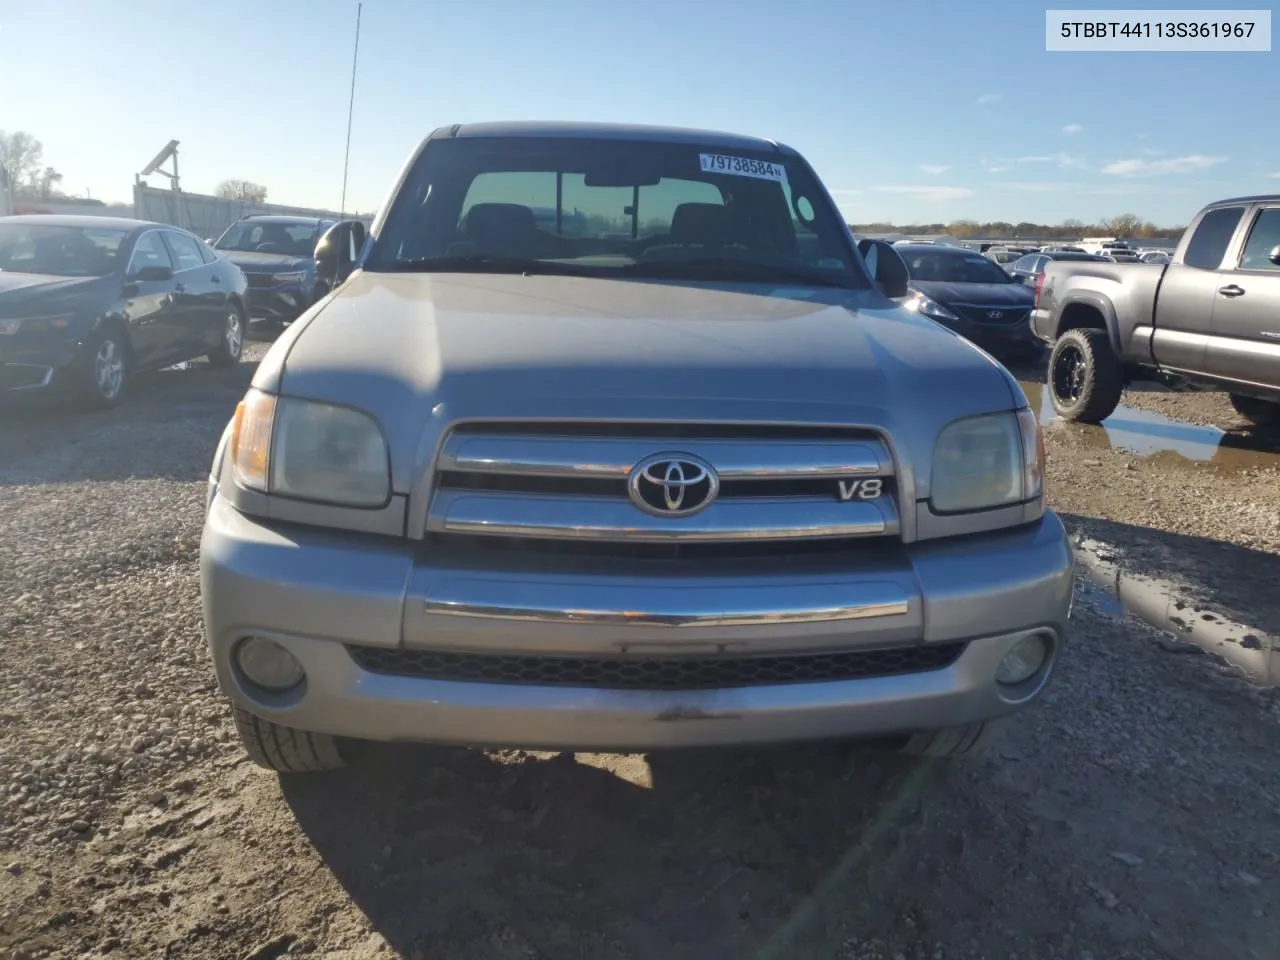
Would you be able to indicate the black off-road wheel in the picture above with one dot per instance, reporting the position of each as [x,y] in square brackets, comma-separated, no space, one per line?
[1086,378]
[1262,413]
[284,749]
[231,346]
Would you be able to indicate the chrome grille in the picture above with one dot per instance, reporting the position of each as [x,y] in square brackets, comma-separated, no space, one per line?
[654,673]
[569,482]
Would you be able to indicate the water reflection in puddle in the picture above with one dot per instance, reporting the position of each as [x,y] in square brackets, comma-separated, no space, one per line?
[1146,434]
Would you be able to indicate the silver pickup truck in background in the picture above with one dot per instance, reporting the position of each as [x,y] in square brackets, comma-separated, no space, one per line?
[1209,319]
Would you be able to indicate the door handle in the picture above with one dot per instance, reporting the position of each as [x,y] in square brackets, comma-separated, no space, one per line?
[182,288]
[216,278]
[1231,291]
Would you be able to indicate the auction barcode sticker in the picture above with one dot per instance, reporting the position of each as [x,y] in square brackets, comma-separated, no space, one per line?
[742,167]
[1161,31]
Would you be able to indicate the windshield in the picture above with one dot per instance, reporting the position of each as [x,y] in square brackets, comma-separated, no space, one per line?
[615,208]
[974,268]
[266,236]
[59,251]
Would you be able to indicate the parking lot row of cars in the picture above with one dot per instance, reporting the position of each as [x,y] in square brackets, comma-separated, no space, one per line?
[87,302]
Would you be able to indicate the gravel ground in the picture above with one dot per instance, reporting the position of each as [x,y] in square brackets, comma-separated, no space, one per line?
[1134,813]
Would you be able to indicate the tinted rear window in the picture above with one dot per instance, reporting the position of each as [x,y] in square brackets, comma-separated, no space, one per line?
[1213,234]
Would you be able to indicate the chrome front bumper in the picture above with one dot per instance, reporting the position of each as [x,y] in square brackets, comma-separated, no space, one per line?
[315,591]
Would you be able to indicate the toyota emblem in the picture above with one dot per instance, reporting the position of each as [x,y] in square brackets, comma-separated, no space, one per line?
[673,484]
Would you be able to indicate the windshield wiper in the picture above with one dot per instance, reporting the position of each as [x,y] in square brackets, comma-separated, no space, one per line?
[747,271]
[479,263]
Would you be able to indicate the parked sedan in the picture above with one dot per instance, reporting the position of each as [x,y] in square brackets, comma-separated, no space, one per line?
[968,293]
[86,302]
[1026,269]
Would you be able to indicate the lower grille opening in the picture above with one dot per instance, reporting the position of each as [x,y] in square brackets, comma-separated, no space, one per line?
[653,673]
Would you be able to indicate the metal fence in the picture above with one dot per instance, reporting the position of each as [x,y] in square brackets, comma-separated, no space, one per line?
[209,216]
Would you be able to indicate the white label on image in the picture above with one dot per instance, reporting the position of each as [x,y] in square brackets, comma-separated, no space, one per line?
[742,167]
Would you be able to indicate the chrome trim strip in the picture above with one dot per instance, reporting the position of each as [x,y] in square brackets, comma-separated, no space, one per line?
[665,605]
[613,457]
[606,518]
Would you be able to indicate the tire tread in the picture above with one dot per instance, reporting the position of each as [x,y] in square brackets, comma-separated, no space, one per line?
[1106,382]
[284,749]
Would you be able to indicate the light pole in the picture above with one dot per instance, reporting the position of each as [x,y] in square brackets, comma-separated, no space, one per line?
[346,158]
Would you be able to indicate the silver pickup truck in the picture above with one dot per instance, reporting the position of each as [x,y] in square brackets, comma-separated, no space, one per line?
[1208,319]
[692,478]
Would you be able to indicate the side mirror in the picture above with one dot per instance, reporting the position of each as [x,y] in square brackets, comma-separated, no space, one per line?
[1274,255]
[887,267]
[152,274]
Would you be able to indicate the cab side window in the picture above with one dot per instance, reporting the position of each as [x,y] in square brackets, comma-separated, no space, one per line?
[1212,237]
[1263,238]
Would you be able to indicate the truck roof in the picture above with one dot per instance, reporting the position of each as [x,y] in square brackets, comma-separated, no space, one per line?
[1257,198]
[610,131]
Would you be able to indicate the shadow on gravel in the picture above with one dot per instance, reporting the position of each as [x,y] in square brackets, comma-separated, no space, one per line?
[694,854]
[166,427]
[1239,581]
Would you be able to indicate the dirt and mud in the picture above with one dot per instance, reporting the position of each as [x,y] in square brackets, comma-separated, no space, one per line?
[1134,813]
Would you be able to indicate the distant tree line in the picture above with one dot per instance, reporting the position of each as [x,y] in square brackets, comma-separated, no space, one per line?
[22,155]
[241,190]
[1124,225]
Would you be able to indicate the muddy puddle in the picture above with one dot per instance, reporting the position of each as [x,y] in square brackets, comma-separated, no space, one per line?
[1146,434]
[1192,627]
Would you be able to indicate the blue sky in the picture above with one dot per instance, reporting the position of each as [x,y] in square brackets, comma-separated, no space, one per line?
[911,110]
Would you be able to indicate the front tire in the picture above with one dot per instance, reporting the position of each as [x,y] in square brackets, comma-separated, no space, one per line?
[1086,378]
[284,749]
[1262,413]
[231,346]
[104,382]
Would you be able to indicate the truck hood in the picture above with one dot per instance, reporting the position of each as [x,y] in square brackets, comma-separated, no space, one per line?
[421,351]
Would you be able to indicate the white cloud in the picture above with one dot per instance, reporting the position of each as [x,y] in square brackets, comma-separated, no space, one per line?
[1274,176]
[1037,186]
[929,193]
[989,98]
[1062,160]
[846,192]
[1071,128]
[933,169]
[1137,168]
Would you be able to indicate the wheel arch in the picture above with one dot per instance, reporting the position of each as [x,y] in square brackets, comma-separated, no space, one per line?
[1087,312]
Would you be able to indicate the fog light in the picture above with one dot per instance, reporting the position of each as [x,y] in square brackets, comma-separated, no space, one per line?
[267,664]
[1021,663]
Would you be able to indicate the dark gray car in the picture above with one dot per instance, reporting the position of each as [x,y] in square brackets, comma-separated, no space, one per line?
[86,302]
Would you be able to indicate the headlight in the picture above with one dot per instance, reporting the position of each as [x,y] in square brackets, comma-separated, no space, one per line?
[930,308]
[34,325]
[985,462]
[296,277]
[309,450]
